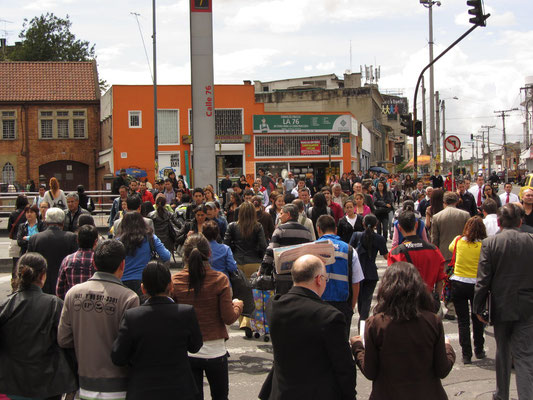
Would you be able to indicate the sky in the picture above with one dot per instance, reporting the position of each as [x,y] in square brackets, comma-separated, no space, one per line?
[279,39]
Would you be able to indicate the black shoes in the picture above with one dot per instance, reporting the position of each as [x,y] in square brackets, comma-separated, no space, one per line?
[480,355]
[467,360]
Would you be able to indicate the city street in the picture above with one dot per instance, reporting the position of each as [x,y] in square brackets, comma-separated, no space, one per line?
[251,359]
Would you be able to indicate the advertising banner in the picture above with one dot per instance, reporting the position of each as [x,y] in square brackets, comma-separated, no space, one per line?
[310,147]
[291,123]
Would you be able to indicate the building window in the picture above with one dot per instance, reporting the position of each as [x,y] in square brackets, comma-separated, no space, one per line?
[228,121]
[168,126]
[8,173]
[9,124]
[63,124]
[290,146]
[135,119]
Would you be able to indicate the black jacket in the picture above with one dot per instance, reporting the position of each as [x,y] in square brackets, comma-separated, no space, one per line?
[153,340]
[191,225]
[248,250]
[54,245]
[71,219]
[166,228]
[345,229]
[31,362]
[505,271]
[312,358]
[23,231]
[467,203]
[11,226]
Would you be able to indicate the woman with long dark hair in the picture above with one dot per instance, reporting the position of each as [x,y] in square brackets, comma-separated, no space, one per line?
[277,203]
[383,203]
[368,244]
[467,249]
[350,223]
[320,207]
[402,316]
[194,225]
[263,217]
[436,206]
[140,243]
[208,291]
[165,225]
[234,202]
[32,365]
[488,193]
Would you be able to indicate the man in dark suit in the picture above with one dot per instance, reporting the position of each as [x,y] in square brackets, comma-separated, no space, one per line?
[311,354]
[158,330]
[312,184]
[54,244]
[505,274]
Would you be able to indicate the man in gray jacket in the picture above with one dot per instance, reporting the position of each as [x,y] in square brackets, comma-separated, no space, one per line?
[505,275]
[90,320]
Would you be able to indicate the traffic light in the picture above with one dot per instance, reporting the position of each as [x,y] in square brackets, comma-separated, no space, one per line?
[332,142]
[418,128]
[479,18]
[406,121]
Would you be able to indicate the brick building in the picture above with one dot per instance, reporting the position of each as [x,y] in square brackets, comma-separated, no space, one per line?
[49,122]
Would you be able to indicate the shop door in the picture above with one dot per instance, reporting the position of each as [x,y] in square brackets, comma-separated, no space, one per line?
[70,174]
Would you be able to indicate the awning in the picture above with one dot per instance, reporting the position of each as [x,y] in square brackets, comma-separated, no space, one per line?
[422,160]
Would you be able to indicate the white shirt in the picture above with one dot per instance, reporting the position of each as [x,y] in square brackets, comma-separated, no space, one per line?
[513,198]
[491,224]
[475,190]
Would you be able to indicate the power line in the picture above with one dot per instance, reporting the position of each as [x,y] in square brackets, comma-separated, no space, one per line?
[144,45]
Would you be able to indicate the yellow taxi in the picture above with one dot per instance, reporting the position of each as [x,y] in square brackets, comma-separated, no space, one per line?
[528,184]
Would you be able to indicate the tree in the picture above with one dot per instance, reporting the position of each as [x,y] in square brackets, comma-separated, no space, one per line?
[48,38]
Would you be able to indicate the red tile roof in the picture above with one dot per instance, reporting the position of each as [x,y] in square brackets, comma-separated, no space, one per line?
[48,81]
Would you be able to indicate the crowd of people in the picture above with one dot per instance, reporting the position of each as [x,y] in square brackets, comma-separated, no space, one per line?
[119,325]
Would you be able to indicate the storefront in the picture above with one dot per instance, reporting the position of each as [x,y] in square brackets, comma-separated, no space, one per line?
[305,144]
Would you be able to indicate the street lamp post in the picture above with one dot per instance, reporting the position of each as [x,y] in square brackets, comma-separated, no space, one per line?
[434,141]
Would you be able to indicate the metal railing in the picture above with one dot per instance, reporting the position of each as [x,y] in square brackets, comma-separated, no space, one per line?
[103,200]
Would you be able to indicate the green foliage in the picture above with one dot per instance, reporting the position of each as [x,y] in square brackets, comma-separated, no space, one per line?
[48,38]
[400,168]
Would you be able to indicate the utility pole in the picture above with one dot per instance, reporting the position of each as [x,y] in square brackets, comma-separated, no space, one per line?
[437,123]
[528,99]
[443,109]
[425,147]
[483,150]
[488,128]
[156,139]
[503,114]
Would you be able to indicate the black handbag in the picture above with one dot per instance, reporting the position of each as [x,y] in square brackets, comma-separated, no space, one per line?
[242,290]
[262,282]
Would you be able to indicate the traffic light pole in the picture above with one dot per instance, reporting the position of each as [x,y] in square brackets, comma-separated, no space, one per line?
[415,149]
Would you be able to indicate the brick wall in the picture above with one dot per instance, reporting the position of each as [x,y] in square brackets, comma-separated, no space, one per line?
[32,152]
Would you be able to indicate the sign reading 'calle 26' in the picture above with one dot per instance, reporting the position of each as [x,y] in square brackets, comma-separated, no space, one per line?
[302,123]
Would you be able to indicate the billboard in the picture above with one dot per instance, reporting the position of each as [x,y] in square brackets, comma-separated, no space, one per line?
[290,123]
[310,147]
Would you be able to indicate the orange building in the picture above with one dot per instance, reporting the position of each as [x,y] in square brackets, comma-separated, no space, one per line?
[296,142]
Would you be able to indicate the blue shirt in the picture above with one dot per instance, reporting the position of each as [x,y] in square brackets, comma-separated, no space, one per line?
[135,263]
[222,258]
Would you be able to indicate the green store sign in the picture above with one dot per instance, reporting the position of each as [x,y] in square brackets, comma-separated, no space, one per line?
[291,123]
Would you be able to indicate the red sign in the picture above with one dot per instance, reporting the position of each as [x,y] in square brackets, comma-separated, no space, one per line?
[201,5]
[452,143]
[310,147]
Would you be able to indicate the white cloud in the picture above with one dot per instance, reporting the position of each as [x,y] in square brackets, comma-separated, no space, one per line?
[325,66]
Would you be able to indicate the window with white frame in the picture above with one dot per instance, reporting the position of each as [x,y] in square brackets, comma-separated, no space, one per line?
[135,119]
[8,173]
[228,121]
[63,124]
[9,124]
[168,126]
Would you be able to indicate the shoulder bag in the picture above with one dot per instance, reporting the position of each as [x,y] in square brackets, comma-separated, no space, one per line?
[12,234]
[242,289]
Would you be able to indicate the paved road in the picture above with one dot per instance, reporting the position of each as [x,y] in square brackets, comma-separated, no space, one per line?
[251,359]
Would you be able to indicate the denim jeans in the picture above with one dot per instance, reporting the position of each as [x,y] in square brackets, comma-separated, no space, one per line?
[216,372]
[462,294]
